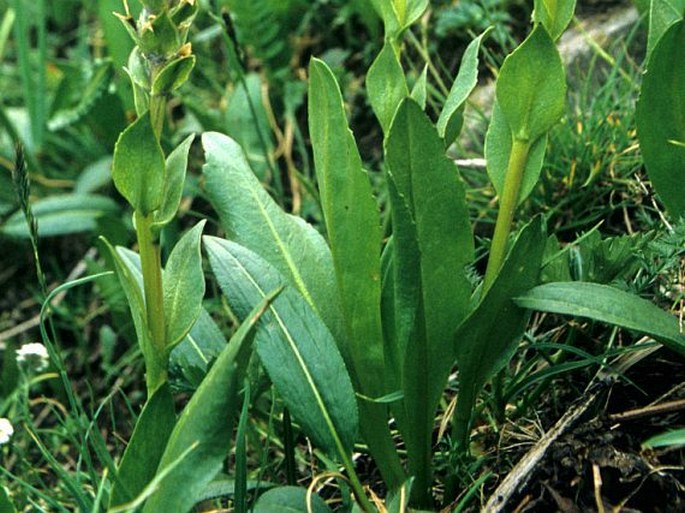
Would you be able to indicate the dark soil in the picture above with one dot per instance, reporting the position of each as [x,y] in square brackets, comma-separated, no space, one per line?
[602,458]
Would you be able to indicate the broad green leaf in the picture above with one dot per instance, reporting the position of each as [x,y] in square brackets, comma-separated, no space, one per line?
[555,15]
[484,342]
[62,215]
[419,91]
[386,85]
[176,166]
[609,305]
[145,448]
[662,14]
[660,119]
[252,218]
[531,87]
[184,286]
[138,169]
[354,232]
[290,499]
[205,426]
[295,347]
[451,118]
[668,439]
[192,357]
[352,223]
[498,143]
[432,244]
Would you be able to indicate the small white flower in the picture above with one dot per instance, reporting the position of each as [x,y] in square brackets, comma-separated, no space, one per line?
[34,356]
[6,431]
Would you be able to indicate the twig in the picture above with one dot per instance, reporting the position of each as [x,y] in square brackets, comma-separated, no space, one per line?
[656,409]
[597,479]
[523,469]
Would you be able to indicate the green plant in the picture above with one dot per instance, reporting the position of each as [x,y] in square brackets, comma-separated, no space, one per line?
[168,462]
[402,315]
[358,329]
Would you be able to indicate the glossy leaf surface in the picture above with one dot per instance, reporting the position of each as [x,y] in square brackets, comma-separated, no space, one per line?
[662,14]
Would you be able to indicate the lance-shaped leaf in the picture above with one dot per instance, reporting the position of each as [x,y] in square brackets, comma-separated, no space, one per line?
[485,341]
[609,305]
[295,347]
[144,451]
[432,244]
[555,15]
[176,165]
[352,223]
[498,144]
[184,286]
[386,85]
[253,219]
[354,233]
[138,169]
[660,119]
[531,87]
[451,118]
[200,441]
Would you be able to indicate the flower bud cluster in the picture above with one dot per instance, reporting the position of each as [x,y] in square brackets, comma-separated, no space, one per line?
[162,59]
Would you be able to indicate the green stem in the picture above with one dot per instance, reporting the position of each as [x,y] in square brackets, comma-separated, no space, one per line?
[151,263]
[157,114]
[355,483]
[508,203]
